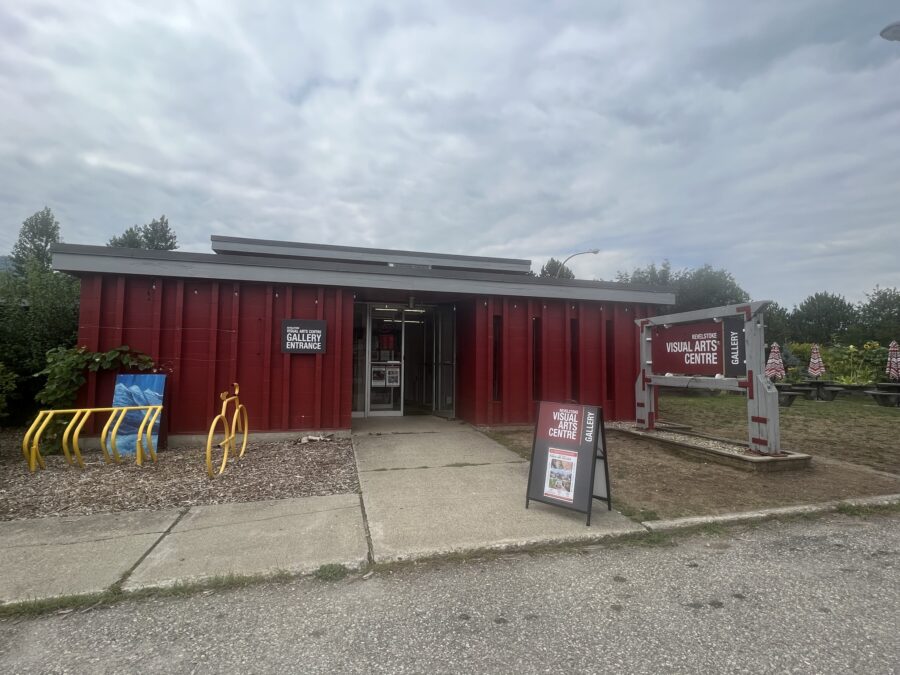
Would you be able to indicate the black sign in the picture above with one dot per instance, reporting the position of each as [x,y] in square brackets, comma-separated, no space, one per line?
[568,458]
[735,347]
[302,336]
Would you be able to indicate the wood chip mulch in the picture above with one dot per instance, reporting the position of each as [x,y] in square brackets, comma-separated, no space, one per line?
[275,470]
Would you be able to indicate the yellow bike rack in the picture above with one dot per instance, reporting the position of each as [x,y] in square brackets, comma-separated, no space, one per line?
[239,424]
[32,441]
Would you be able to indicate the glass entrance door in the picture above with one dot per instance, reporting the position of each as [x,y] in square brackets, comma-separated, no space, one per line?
[385,359]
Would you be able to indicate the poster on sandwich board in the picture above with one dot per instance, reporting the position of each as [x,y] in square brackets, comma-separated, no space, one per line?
[568,458]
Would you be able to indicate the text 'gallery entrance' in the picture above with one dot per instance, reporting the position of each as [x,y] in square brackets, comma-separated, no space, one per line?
[404,360]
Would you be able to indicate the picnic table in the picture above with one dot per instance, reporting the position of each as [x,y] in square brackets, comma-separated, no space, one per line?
[886,394]
[822,390]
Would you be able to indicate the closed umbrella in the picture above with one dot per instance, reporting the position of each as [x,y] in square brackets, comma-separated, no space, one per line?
[816,367]
[775,366]
[893,364]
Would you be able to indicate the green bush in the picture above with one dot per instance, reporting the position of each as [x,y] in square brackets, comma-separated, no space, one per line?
[847,364]
[7,387]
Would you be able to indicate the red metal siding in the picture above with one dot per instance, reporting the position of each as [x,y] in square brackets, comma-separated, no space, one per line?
[475,335]
[208,334]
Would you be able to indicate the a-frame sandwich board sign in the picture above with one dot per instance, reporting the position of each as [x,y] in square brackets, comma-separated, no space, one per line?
[569,466]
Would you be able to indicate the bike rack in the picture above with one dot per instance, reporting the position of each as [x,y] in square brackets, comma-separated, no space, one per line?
[239,424]
[32,441]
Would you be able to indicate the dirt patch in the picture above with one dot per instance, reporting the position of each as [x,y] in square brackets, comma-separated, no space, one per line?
[649,482]
[276,470]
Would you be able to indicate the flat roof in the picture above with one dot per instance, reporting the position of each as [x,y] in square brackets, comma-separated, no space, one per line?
[290,249]
[82,259]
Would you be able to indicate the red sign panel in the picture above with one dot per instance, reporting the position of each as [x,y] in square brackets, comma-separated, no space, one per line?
[688,349]
[560,423]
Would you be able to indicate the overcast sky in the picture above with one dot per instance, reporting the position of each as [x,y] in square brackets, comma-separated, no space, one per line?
[763,137]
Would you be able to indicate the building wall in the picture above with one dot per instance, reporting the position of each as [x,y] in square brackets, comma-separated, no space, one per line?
[207,334]
[545,349]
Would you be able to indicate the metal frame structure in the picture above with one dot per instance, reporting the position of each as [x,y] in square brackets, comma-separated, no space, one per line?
[762,396]
[31,443]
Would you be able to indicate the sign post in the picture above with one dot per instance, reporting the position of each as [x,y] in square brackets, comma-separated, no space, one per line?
[721,348]
[568,458]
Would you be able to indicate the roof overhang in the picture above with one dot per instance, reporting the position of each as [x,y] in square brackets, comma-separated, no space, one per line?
[78,259]
[290,249]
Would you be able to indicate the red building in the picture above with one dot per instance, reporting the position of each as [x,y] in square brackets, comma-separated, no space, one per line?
[404,332]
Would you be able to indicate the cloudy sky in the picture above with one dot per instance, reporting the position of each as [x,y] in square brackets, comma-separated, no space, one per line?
[763,137]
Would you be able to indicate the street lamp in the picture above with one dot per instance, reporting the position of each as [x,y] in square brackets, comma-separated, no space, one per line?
[595,251]
[891,32]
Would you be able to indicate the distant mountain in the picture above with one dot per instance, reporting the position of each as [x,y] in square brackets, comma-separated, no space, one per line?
[5,263]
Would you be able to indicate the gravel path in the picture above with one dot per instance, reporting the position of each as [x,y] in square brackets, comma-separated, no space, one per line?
[268,471]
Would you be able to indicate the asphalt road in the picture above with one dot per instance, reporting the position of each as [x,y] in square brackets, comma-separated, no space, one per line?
[808,596]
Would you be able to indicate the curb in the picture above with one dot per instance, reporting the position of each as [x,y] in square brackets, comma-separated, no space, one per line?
[765,514]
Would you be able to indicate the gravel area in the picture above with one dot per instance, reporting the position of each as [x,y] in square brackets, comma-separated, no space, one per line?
[275,470]
[689,439]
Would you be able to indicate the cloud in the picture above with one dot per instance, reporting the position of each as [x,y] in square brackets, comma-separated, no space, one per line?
[758,137]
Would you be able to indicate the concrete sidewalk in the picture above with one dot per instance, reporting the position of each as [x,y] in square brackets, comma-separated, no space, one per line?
[429,487]
[49,557]
[433,487]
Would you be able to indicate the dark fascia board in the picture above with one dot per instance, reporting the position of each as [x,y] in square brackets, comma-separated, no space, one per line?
[79,259]
[290,249]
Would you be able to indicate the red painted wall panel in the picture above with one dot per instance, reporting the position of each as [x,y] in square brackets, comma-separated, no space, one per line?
[208,334]
[599,326]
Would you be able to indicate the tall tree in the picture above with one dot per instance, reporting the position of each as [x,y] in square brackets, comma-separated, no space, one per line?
[778,324]
[155,235]
[38,232]
[879,316]
[554,269]
[694,288]
[823,317]
[651,275]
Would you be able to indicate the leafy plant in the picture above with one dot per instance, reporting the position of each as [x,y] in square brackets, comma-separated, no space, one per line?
[66,371]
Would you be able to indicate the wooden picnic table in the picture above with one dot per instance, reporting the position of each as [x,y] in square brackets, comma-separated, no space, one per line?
[823,390]
[886,394]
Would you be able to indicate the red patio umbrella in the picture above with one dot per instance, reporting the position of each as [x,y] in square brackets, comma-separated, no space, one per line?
[893,362]
[775,366]
[816,367]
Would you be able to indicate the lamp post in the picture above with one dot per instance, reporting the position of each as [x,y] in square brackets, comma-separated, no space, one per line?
[559,269]
[891,32]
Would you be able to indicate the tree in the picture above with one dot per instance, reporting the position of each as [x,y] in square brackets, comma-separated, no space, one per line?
[38,312]
[778,324]
[879,316]
[155,235]
[554,269]
[130,238]
[651,275]
[38,232]
[706,287]
[824,318]
[694,288]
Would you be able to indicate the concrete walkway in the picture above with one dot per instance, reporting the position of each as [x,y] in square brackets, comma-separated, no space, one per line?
[432,487]
[429,487]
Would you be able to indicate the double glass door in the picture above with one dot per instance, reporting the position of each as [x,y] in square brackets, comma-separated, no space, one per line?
[404,360]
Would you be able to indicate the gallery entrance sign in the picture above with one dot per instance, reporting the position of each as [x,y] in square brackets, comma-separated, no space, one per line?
[568,458]
[303,336]
[719,348]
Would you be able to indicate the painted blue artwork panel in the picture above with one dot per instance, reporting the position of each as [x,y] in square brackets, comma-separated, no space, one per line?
[136,390]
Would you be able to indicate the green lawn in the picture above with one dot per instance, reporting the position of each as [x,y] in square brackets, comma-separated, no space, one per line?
[851,428]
